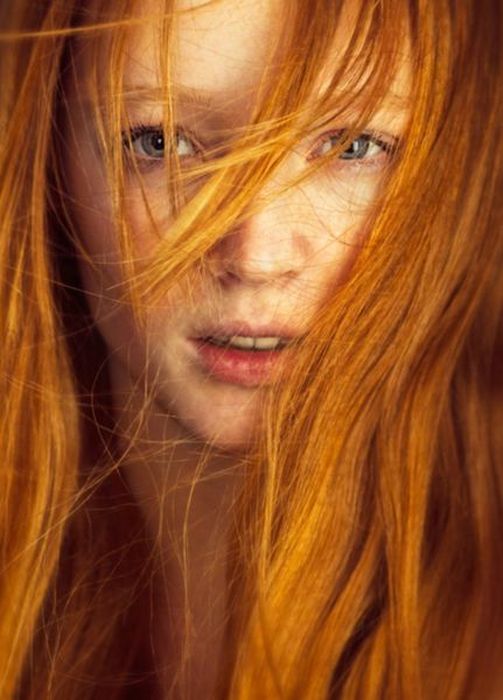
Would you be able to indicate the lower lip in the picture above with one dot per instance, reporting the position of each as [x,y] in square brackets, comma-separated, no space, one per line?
[247,368]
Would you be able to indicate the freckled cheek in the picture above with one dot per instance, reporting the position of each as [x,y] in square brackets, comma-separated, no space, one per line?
[147,228]
[352,190]
[340,215]
[99,232]
[342,207]
[91,208]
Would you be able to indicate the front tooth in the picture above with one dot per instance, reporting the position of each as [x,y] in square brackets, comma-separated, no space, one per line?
[267,343]
[240,341]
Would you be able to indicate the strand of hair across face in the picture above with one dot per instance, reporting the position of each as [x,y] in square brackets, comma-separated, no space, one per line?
[366,561]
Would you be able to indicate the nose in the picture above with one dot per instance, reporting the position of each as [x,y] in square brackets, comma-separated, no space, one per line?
[268,246]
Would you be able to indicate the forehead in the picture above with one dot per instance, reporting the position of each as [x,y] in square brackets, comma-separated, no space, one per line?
[220,50]
[224,44]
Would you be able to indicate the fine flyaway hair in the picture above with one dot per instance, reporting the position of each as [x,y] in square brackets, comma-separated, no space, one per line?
[366,556]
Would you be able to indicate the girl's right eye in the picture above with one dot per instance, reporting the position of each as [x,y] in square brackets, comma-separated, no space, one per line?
[148,142]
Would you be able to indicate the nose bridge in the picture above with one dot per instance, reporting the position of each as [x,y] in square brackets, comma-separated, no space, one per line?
[269,243]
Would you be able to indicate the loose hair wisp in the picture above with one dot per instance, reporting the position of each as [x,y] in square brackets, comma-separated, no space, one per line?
[366,560]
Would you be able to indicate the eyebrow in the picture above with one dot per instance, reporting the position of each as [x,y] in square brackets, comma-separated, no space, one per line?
[198,97]
[207,99]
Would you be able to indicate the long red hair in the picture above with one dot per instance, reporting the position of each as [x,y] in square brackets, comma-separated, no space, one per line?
[367,557]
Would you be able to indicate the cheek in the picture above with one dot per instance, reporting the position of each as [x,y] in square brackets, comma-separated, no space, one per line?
[340,211]
[348,193]
[99,257]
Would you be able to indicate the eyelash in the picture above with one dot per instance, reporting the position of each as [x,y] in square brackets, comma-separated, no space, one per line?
[129,137]
[387,145]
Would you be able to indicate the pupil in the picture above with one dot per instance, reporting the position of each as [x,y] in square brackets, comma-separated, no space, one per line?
[157,142]
[153,143]
[358,149]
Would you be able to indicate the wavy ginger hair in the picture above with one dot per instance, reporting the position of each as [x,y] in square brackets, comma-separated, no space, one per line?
[367,555]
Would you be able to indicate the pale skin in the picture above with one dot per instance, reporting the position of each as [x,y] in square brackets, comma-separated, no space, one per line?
[278,266]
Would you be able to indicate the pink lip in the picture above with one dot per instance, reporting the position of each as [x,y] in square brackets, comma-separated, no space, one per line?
[247,368]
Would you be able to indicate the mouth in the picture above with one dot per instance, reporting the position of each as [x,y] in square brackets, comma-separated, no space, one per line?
[243,360]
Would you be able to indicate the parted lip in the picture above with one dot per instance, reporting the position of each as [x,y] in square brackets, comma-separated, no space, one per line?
[248,329]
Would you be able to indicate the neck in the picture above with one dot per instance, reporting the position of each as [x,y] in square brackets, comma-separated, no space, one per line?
[185,491]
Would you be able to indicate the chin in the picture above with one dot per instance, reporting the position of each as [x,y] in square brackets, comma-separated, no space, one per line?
[235,436]
[231,428]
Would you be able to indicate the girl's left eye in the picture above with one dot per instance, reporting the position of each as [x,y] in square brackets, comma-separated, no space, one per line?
[149,142]
[364,147]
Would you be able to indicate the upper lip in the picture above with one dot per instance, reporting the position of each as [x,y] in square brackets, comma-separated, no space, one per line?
[249,330]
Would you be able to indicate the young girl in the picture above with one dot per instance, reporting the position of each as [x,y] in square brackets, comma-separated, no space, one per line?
[251,369]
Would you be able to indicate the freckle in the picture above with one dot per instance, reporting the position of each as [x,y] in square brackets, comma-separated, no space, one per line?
[302,243]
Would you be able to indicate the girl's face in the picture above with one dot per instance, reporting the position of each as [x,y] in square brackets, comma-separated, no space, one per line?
[267,277]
